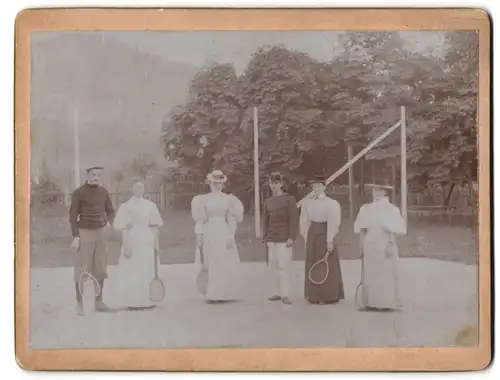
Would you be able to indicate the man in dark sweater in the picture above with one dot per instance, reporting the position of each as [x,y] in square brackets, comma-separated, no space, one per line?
[280,224]
[90,212]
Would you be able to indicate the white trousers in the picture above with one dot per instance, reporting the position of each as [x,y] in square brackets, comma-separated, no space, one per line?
[280,263]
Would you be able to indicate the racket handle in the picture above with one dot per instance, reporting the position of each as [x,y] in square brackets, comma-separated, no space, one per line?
[156,262]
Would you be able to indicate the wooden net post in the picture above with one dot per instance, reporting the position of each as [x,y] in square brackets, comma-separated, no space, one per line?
[404,189]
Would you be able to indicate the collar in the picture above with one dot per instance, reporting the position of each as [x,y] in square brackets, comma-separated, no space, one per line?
[382,200]
[321,196]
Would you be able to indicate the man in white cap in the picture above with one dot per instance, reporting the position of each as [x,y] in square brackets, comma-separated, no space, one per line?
[377,223]
[90,212]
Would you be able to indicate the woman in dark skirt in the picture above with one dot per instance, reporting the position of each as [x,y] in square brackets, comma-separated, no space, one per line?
[320,219]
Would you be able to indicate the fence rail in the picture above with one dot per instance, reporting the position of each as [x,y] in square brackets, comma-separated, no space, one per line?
[48,200]
[418,205]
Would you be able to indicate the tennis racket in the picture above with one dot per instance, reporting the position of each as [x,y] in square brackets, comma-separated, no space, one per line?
[84,279]
[202,280]
[359,296]
[320,270]
[156,287]
[267,252]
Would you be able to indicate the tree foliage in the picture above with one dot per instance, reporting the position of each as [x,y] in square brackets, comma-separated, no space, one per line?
[143,165]
[308,110]
[45,191]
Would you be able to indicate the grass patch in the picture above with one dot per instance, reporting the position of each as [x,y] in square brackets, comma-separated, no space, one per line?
[51,237]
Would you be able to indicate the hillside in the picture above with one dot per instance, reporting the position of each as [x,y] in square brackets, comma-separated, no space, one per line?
[121,94]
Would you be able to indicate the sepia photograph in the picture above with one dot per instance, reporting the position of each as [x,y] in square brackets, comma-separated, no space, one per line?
[253,189]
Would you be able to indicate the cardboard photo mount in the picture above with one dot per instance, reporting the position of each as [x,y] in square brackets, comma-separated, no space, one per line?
[231,359]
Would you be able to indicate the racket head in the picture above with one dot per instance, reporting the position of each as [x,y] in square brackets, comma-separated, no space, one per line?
[319,272]
[198,255]
[81,284]
[359,297]
[156,290]
[88,290]
[202,281]
[85,282]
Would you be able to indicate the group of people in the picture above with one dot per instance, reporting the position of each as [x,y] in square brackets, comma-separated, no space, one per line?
[216,216]
[138,220]
[318,223]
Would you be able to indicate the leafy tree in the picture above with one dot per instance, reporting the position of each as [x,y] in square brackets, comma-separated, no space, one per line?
[441,102]
[118,175]
[45,190]
[143,165]
[309,110]
[197,132]
[282,84]
[443,140]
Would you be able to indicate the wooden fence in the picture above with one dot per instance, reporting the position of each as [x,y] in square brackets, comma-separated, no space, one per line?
[427,205]
[155,196]
[57,203]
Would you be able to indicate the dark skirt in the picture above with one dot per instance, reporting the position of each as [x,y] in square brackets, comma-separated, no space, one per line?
[332,290]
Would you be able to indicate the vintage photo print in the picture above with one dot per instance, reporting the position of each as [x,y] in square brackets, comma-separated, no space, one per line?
[252,190]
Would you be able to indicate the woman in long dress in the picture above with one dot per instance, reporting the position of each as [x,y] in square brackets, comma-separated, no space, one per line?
[378,223]
[320,219]
[138,219]
[216,216]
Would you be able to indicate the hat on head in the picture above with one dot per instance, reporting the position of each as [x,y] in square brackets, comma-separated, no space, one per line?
[276,177]
[379,186]
[217,176]
[98,167]
[318,178]
[135,180]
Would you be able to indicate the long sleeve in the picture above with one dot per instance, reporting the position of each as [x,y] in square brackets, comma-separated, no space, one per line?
[122,218]
[198,213]
[395,221]
[234,214]
[110,211]
[156,234]
[155,218]
[125,240]
[305,222]
[74,212]
[360,221]
[293,218]
[333,218]
[155,221]
[120,223]
[265,221]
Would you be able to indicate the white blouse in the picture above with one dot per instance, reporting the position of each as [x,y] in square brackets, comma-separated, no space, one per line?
[321,209]
[216,205]
[380,213]
[138,212]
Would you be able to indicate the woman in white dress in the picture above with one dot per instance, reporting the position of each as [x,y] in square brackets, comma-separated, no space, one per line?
[216,216]
[138,219]
[378,223]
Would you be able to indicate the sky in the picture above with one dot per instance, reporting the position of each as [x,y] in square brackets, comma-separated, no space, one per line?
[203,47]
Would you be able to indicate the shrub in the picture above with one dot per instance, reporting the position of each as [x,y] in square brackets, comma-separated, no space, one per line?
[45,192]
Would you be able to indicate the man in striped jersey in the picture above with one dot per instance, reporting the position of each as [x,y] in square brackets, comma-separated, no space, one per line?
[90,212]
